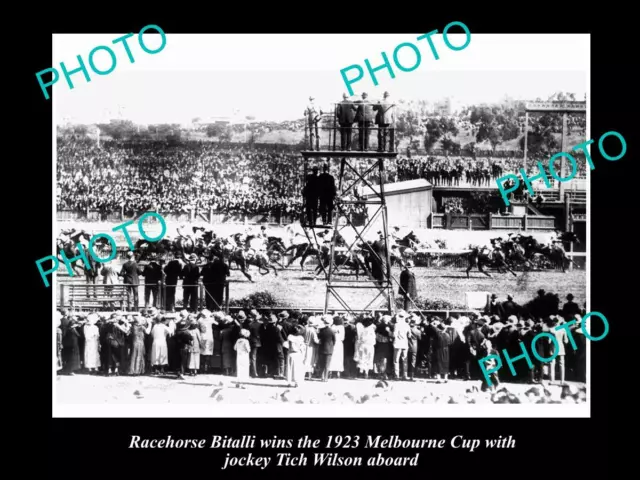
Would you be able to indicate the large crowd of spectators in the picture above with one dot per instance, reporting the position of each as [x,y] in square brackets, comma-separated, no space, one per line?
[295,346]
[202,176]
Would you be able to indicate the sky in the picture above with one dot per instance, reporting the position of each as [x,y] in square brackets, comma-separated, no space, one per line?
[271,76]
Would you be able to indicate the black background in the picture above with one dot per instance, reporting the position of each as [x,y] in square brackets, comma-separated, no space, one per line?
[544,447]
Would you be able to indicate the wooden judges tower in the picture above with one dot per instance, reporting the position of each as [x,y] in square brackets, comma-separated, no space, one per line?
[358,166]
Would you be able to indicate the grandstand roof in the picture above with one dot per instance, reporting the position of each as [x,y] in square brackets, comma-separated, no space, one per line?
[403,187]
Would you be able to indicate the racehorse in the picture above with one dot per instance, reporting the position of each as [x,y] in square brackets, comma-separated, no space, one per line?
[554,251]
[515,253]
[145,247]
[343,259]
[303,251]
[488,257]
[70,249]
[252,254]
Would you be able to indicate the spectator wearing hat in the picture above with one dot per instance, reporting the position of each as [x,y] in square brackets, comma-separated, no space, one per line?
[285,325]
[401,333]
[129,273]
[152,273]
[365,345]
[91,335]
[337,358]
[137,335]
[364,118]
[474,339]
[385,117]
[311,113]
[561,341]
[346,114]
[173,271]
[383,357]
[116,348]
[272,339]
[295,368]
[184,340]
[349,344]
[71,347]
[327,340]
[254,342]
[205,325]
[242,349]
[441,353]
[311,341]
[510,308]
[570,309]
[311,194]
[159,348]
[109,277]
[327,194]
[408,285]
[494,307]
[581,350]
[190,275]
[194,346]
[214,277]
[415,334]
[228,336]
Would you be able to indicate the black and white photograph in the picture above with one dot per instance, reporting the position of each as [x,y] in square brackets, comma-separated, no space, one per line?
[278,239]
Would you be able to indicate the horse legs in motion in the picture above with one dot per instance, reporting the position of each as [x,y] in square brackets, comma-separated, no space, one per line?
[242,264]
[262,262]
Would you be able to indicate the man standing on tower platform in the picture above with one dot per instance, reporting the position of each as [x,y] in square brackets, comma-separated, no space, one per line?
[327,194]
[385,117]
[346,114]
[311,194]
[364,117]
[312,120]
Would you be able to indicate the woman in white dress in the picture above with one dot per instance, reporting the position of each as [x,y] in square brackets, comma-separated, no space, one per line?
[91,344]
[365,345]
[159,350]
[311,341]
[337,359]
[205,324]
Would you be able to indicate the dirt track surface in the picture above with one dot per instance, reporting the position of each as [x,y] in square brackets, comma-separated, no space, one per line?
[212,389]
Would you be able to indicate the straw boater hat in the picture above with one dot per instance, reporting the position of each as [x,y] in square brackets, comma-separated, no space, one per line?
[92,319]
[283,314]
[244,333]
[242,315]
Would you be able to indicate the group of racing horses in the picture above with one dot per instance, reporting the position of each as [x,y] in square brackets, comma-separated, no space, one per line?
[269,252]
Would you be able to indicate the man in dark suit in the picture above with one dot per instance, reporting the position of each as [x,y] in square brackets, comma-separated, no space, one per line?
[385,117]
[152,275]
[364,117]
[190,276]
[327,194]
[271,339]
[214,276]
[570,309]
[346,114]
[325,348]
[378,260]
[311,194]
[408,285]
[129,273]
[494,307]
[172,272]
[509,308]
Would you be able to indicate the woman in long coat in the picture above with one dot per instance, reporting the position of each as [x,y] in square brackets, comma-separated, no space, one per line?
[311,341]
[337,359]
[159,349]
[138,350]
[91,344]
[228,336]
[205,324]
[194,348]
[71,348]
[441,345]
[365,345]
